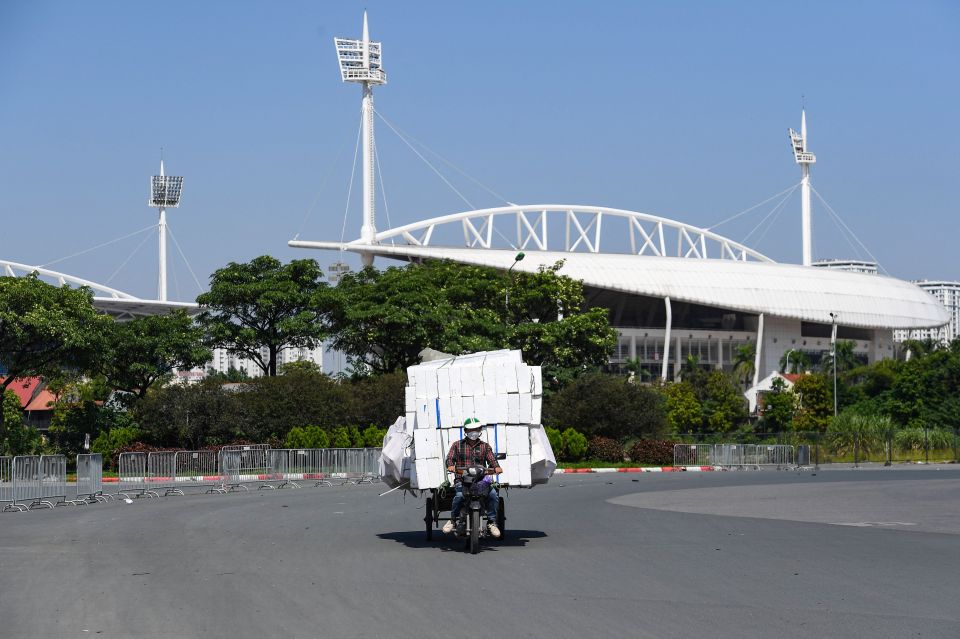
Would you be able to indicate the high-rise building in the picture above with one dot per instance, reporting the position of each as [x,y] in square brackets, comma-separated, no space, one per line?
[948,292]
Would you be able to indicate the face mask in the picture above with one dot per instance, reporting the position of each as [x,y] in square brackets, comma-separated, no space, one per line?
[473,436]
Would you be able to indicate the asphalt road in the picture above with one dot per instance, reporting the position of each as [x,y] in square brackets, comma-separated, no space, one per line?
[749,554]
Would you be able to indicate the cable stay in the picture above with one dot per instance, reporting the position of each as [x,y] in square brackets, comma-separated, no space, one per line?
[848,229]
[129,257]
[791,189]
[185,261]
[353,173]
[323,185]
[98,246]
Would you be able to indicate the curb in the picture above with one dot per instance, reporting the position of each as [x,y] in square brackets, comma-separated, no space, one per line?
[653,469]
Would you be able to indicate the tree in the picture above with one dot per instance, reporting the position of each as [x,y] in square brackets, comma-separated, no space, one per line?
[845,356]
[147,349]
[601,404]
[794,361]
[744,363]
[45,328]
[194,416]
[684,412]
[20,438]
[814,403]
[779,406]
[725,407]
[265,305]
[383,319]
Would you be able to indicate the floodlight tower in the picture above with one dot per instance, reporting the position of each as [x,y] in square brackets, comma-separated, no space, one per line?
[164,191]
[804,158]
[360,62]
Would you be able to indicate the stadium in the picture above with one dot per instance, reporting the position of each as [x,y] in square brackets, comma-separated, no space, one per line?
[672,289]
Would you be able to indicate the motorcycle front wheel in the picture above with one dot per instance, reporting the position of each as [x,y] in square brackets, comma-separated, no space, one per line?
[474,532]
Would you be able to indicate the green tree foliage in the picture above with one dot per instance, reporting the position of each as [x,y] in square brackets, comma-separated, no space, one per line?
[794,361]
[600,404]
[79,411]
[851,431]
[684,411]
[724,406]
[307,437]
[340,437]
[574,445]
[744,363]
[383,319]
[45,328]
[555,437]
[373,436]
[108,442]
[779,406]
[264,304]
[145,350]
[814,403]
[846,358]
[194,416]
[20,439]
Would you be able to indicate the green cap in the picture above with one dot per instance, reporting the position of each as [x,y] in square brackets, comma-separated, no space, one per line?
[471,422]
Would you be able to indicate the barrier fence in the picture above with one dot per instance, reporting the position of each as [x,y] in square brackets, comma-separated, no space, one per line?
[90,478]
[32,481]
[735,456]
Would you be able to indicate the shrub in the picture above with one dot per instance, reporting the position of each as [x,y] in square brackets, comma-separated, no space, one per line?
[652,451]
[908,439]
[605,449]
[556,441]
[573,444]
[373,436]
[309,437]
[109,442]
[340,437]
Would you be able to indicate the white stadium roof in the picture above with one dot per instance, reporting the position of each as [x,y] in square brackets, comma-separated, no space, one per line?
[784,290]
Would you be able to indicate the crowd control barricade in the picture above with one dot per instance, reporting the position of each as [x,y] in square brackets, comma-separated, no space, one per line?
[354,465]
[692,455]
[778,455]
[197,468]
[132,476]
[162,473]
[6,483]
[38,480]
[90,479]
[303,464]
[737,456]
[240,465]
[278,462]
[53,480]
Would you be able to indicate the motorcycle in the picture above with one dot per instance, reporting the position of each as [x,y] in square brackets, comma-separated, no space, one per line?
[471,524]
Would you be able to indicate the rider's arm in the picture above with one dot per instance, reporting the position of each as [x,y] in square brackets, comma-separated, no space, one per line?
[452,457]
[492,461]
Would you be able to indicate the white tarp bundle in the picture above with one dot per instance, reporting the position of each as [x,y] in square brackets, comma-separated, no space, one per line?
[495,387]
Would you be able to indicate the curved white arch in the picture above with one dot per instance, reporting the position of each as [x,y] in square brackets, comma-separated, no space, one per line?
[649,234]
[15,269]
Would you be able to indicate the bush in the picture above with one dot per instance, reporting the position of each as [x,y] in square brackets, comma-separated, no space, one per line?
[652,451]
[556,441]
[340,437]
[373,436]
[912,439]
[605,449]
[574,445]
[606,405]
[109,442]
[309,437]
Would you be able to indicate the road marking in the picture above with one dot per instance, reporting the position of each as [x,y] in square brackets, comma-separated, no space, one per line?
[871,524]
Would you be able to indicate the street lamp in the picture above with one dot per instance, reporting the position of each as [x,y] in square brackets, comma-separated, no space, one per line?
[833,356]
[506,297]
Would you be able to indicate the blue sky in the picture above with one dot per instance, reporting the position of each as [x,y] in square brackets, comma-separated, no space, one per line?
[676,109]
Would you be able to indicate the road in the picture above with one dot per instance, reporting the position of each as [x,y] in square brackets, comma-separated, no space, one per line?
[736,554]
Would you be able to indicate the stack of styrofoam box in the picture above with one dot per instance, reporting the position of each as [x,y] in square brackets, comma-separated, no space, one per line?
[496,388]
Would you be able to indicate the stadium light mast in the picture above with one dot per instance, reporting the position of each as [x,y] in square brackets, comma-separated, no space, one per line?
[804,158]
[164,191]
[360,62]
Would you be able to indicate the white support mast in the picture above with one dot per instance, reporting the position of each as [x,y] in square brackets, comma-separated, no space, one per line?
[164,191]
[360,62]
[804,158]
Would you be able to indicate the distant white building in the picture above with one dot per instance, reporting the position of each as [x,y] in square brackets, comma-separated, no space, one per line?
[852,266]
[948,292]
[223,360]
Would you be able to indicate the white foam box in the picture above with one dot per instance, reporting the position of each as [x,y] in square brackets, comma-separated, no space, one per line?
[446,419]
[431,378]
[456,411]
[426,473]
[423,414]
[443,382]
[518,440]
[526,408]
[426,443]
[489,374]
[411,421]
[480,409]
[499,406]
[524,379]
[410,398]
[467,408]
[456,381]
[496,436]
[471,381]
[523,469]
[511,471]
[419,381]
[405,468]
[500,375]
[536,406]
[510,378]
[513,408]
[537,373]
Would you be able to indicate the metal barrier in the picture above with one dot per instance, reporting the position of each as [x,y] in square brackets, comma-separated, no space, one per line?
[38,480]
[90,479]
[162,473]
[692,454]
[355,465]
[281,460]
[197,468]
[132,476]
[738,456]
[240,465]
[6,482]
[779,455]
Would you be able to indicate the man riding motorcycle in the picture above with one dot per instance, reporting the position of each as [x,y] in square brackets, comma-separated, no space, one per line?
[472,451]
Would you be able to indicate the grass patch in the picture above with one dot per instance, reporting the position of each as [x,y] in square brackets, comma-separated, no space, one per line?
[596,463]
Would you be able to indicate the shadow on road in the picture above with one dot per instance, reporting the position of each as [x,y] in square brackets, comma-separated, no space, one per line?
[418,539]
